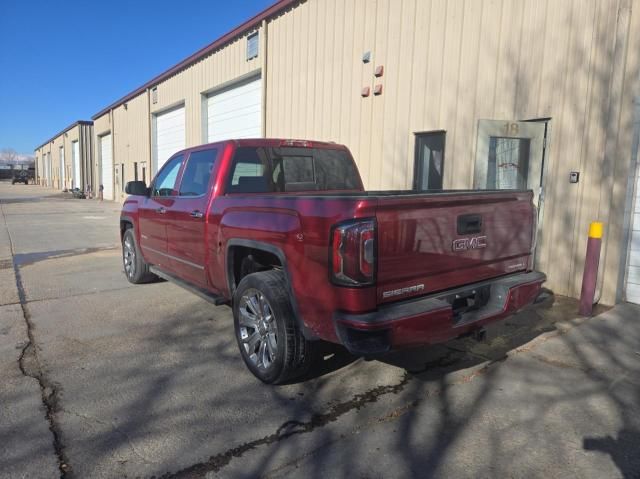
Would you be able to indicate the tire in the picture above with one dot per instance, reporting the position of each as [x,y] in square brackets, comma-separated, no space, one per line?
[267,331]
[135,268]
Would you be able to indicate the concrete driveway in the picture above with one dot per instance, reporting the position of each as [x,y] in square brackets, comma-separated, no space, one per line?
[104,379]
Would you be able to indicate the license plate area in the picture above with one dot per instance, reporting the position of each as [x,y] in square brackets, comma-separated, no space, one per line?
[466,305]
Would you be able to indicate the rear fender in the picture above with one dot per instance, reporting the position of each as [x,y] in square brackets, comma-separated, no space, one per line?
[274,250]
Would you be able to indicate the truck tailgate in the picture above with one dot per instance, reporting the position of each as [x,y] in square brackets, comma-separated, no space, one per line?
[433,242]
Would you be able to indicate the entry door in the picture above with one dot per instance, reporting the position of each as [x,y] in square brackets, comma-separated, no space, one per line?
[106,166]
[509,155]
[117,172]
[75,159]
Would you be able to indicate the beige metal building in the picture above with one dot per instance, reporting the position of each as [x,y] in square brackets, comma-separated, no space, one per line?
[66,160]
[427,94]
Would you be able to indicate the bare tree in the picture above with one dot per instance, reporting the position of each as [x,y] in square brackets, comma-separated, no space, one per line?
[9,156]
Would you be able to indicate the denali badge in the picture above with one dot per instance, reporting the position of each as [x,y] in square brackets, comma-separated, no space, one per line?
[463,244]
[397,292]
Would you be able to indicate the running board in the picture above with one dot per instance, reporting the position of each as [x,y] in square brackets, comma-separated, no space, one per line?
[202,293]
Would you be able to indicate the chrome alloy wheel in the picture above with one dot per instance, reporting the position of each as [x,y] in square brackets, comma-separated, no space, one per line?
[129,257]
[258,332]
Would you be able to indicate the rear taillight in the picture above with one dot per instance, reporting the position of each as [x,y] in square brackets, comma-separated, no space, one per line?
[353,253]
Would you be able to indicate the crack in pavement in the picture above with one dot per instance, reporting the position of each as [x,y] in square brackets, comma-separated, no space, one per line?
[291,428]
[288,429]
[77,295]
[30,366]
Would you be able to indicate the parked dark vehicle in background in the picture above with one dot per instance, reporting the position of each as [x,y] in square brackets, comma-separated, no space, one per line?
[20,176]
[284,233]
[78,193]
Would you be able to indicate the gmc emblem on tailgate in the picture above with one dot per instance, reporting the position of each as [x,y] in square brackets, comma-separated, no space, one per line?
[464,244]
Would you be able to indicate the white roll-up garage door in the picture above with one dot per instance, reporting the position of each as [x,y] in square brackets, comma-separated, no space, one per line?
[235,112]
[75,160]
[633,267]
[106,166]
[169,136]
[62,173]
[47,169]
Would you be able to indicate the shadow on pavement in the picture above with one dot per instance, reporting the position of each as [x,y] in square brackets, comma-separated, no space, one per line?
[624,450]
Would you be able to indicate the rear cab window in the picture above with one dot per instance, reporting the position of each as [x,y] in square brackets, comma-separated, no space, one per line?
[291,169]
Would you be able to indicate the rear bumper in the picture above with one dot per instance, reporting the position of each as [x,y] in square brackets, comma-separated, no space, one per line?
[434,319]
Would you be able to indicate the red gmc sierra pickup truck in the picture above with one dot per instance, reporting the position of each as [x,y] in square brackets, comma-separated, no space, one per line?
[284,232]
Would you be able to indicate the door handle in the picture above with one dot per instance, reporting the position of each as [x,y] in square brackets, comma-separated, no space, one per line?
[161,210]
[469,224]
[197,214]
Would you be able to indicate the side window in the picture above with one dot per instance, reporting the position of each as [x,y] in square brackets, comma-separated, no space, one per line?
[429,161]
[196,175]
[165,182]
[249,173]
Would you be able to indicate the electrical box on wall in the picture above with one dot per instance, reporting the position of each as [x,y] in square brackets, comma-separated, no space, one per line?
[574,177]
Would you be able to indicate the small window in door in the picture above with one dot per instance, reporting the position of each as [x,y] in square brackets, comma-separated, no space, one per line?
[196,175]
[429,161]
[165,182]
[508,163]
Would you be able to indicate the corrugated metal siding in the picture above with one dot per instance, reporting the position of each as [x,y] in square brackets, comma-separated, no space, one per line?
[131,126]
[86,156]
[131,136]
[449,63]
[211,72]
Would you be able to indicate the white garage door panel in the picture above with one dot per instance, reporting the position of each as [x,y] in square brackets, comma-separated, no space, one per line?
[49,170]
[106,166]
[75,155]
[235,113]
[169,135]
[632,290]
[633,293]
[62,172]
[634,274]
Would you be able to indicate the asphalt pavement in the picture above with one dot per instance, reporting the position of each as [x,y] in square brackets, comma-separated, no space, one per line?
[105,379]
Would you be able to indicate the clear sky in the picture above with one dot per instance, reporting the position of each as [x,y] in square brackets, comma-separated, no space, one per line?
[62,61]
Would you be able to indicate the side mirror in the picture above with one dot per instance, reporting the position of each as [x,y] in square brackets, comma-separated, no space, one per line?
[138,188]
